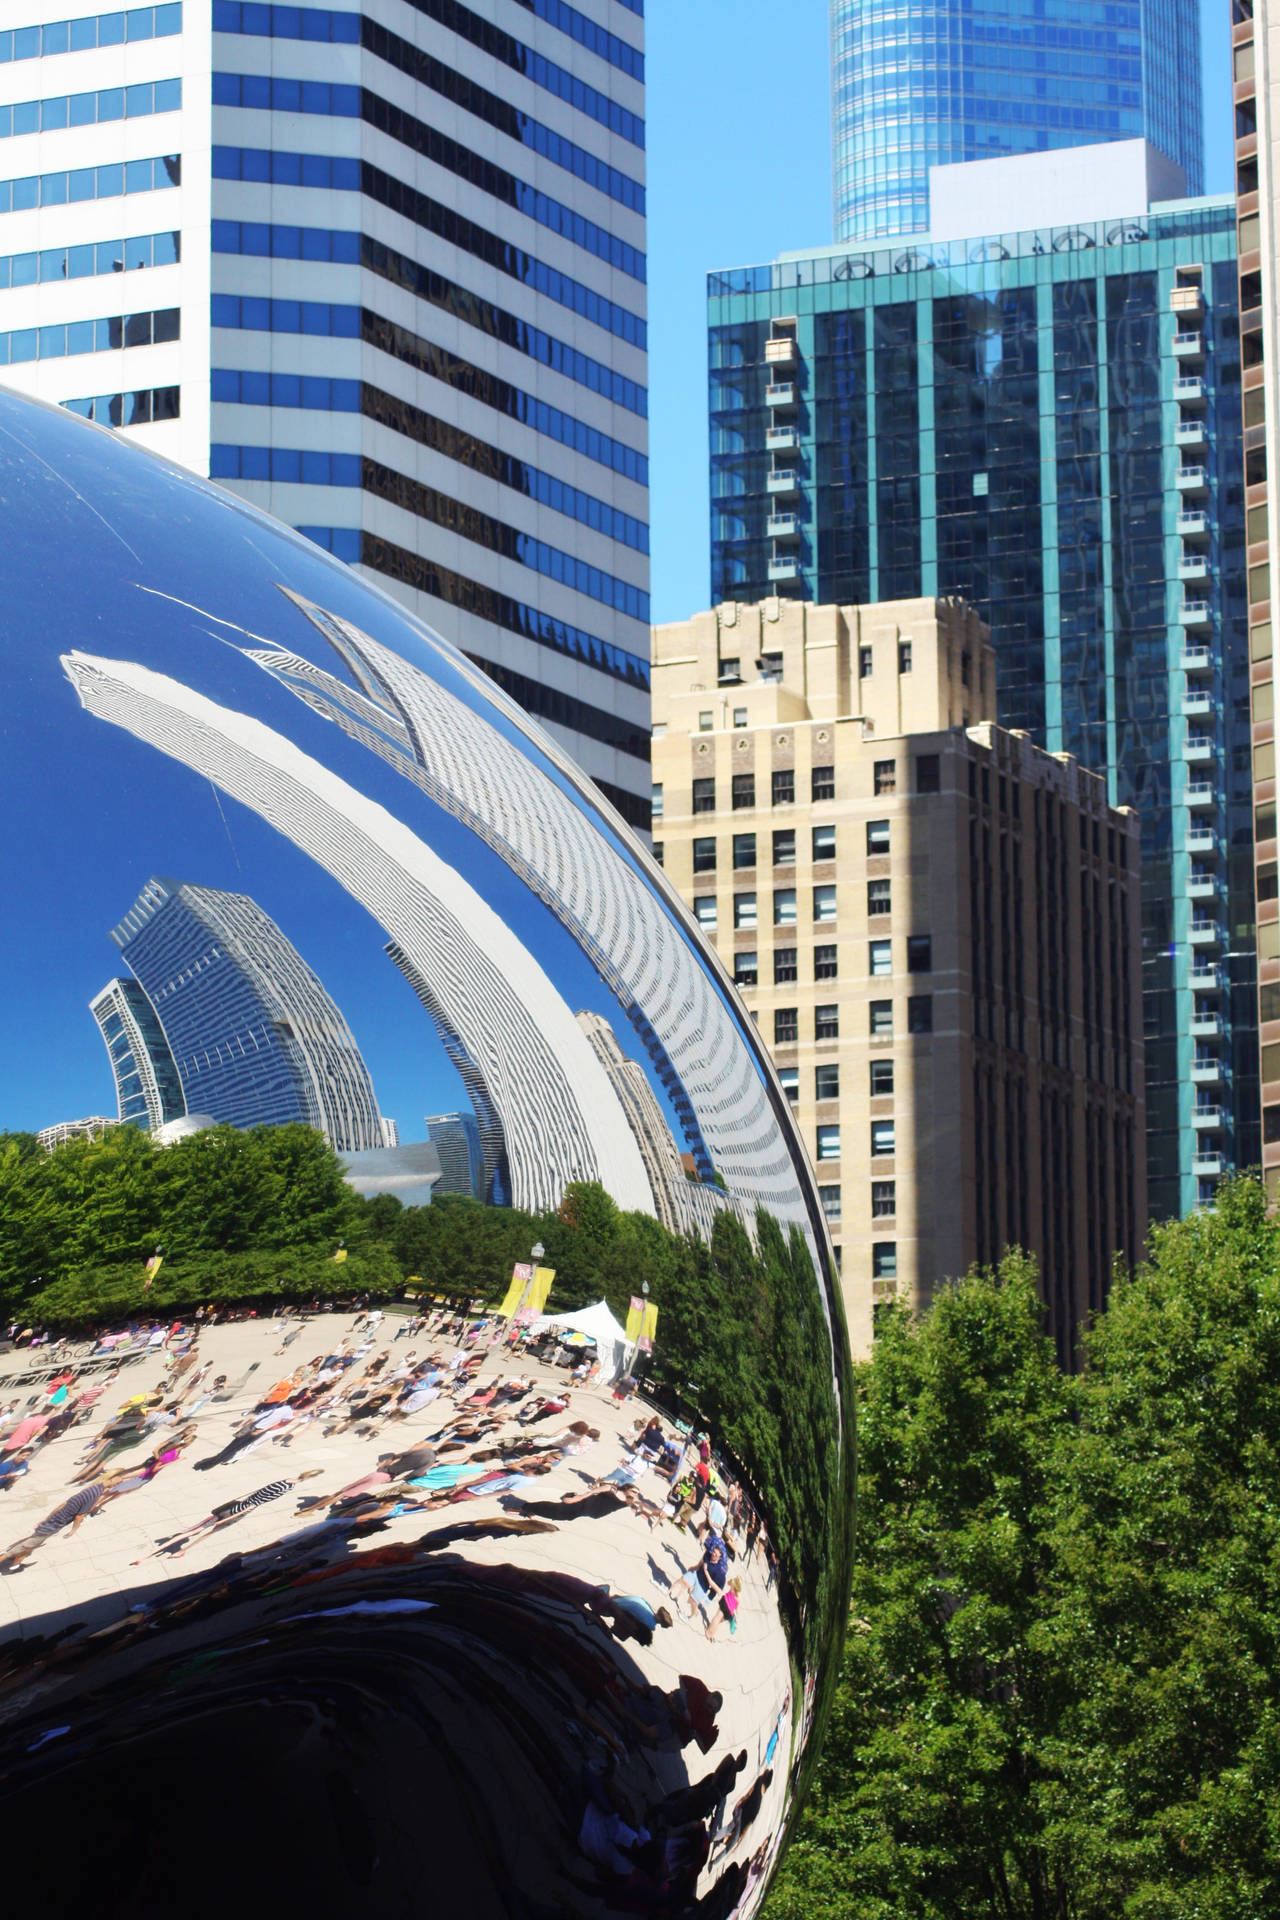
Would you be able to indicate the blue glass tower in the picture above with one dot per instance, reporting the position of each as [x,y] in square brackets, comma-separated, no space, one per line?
[924,83]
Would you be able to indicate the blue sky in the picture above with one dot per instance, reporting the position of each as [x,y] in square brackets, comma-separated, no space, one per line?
[739,169]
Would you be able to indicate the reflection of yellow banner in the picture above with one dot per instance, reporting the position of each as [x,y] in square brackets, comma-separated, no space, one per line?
[635,1317]
[155,1263]
[542,1279]
[521,1275]
[650,1325]
[340,1255]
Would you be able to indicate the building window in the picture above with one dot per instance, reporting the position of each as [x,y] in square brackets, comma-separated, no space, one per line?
[884,1202]
[739,716]
[657,851]
[744,790]
[904,656]
[828,1143]
[830,1198]
[745,969]
[919,953]
[771,666]
[884,1260]
[704,856]
[784,786]
[824,903]
[704,796]
[881,957]
[706,720]
[826,1082]
[965,664]
[882,1136]
[881,1017]
[704,912]
[920,1013]
[824,963]
[784,847]
[877,837]
[789,1079]
[823,783]
[824,843]
[928,773]
[785,966]
[878,897]
[730,672]
[784,906]
[886,776]
[881,1078]
[744,910]
[826,1022]
[864,663]
[744,849]
[655,803]
[786,1026]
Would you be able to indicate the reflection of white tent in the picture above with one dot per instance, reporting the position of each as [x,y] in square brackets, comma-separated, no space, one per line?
[598,1324]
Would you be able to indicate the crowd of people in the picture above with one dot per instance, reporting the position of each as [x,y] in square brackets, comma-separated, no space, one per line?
[462,1429]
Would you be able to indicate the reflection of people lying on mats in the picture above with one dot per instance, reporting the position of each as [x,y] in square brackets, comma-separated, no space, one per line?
[593,1503]
[224,1516]
[744,1812]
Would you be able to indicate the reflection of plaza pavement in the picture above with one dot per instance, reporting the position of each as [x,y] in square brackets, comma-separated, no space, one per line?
[88,1580]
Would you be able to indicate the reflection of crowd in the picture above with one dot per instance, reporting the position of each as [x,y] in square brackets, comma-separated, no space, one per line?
[483,1441]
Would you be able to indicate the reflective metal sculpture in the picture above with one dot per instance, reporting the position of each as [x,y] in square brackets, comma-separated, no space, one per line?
[329,981]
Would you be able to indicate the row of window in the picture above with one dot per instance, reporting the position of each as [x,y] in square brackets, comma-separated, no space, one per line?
[746,913]
[310,468]
[90,109]
[80,263]
[136,409]
[881,1080]
[91,30]
[276,93]
[90,183]
[88,336]
[310,23]
[516,616]
[822,779]
[883,1138]
[343,174]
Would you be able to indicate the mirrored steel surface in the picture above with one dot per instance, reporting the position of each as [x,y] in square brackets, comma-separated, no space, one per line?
[394,1614]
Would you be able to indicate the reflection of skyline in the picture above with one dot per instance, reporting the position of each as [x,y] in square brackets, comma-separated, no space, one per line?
[148,1085]
[253,1035]
[560,1117]
[468,767]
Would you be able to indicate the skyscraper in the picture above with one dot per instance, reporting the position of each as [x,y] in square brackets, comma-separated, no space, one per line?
[386,278]
[1046,421]
[256,1038]
[148,1085]
[931,82]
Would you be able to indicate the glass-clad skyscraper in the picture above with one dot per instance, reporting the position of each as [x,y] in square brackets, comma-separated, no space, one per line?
[923,83]
[1046,423]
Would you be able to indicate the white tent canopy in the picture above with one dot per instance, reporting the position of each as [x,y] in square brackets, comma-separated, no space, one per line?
[598,1324]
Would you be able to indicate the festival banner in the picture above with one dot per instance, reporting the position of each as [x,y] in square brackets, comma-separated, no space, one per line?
[521,1275]
[542,1282]
[635,1316]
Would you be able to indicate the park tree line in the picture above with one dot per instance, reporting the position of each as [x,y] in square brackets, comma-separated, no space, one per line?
[1060,1695]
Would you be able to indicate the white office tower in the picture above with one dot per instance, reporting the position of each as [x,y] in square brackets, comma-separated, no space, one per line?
[383,274]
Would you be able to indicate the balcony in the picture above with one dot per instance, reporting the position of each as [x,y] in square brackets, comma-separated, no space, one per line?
[1202,840]
[781,352]
[784,568]
[1206,1073]
[1197,660]
[1189,433]
[1187,299]
[1196,613]
[783,480]
[1194,525]
[1188,345]
[1193,566]
[1192,479]
[1202,886]
[1201,793]
[1189,390]
[1206,1119]
[783,526]
[1204,933]
[1198,747]
[1207,1164]
[782,393]
[1205,979]
[781,439]
[1206,1026]
[1196,701]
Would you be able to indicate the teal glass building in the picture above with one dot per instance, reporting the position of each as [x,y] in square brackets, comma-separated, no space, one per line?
[1047,423]
[924,83]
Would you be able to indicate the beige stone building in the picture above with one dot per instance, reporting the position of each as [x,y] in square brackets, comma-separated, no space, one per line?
[935,926]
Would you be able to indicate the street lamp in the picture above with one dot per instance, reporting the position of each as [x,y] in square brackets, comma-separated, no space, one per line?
[536,1252]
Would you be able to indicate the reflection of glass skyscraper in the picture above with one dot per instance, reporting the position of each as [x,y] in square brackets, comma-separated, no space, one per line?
[256,1038]
[928,82]
[456,1138]
[148,1084]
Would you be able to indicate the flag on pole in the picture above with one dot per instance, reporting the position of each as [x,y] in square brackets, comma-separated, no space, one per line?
[153,1267]
[542,1281]
[649,1325]
[521,1275]
[635,1318]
